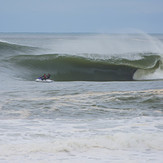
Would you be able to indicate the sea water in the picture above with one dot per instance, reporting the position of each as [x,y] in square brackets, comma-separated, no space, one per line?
[85,116]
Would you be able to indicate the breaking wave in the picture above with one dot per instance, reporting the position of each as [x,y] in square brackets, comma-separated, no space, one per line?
[77,68]
[29,62]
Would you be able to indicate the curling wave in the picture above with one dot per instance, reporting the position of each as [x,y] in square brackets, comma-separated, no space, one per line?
[77,68]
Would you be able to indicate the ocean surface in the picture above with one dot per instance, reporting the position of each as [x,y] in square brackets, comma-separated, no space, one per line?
[104,105]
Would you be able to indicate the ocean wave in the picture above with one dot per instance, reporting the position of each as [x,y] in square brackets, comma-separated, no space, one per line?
[7,48]
[84,58]
[80,68]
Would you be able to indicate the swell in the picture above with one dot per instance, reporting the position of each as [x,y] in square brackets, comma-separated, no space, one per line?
[77,68]
[7,49]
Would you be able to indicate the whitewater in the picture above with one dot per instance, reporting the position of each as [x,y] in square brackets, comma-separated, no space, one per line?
[105,104]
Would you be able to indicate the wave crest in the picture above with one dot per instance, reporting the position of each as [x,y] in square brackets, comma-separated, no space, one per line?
[7,48]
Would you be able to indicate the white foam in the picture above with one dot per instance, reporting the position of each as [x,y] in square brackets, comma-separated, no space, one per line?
[93,146]
[54,140]
[141,74]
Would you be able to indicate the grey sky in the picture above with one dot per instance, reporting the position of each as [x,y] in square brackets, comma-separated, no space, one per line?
[81,16]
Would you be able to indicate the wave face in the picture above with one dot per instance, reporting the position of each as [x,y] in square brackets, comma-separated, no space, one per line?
[92,63]
[75,68]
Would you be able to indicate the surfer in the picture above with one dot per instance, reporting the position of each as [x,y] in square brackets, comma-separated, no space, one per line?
[48,76]
[44,77]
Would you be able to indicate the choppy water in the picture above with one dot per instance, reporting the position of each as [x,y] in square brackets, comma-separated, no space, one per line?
[81,118]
